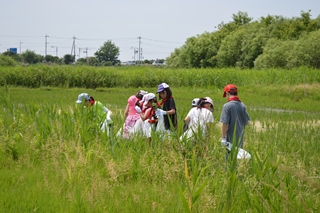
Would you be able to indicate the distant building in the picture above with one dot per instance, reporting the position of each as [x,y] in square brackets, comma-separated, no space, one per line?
[158,63]
[128,63]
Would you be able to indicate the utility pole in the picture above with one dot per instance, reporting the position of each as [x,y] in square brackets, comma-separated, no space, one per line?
[45,52]
[73,49]
[20,47]
[139,56]
[86,52]
[56,50]
[135,52]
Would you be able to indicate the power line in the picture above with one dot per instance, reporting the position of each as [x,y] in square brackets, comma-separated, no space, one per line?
[20,36]
[150,46]
[173,42]
[104,39]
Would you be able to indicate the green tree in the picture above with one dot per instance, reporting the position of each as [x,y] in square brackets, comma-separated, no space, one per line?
[241,42]
[309,24]
[146,61]
[173,59]
[230,51]
[92,61]
[81,61]
[292,28]
[276,54]
[254,40]
[201,51]
[52,59]
[7,61]
[306,52]
[68,59]
[31,57]
[178,58]
[197,52]
[13,55]
[241,18]
[108,54]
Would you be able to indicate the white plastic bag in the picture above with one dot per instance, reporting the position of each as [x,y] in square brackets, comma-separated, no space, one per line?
[242,154]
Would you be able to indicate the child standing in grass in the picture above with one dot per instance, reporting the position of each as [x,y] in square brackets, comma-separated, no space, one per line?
[168,108]
[234,117]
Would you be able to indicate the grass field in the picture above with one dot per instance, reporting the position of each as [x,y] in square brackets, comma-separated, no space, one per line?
[53,160]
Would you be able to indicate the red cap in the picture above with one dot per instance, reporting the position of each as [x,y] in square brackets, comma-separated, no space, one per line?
[229,88]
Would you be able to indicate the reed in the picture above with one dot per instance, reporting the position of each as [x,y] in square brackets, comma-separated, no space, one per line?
[53,158]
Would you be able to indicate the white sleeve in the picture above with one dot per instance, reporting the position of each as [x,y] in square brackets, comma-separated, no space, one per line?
[211,118]
[105,109]
[109,115]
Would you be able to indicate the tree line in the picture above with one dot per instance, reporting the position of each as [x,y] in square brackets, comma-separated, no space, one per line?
[271,42]
[106,55]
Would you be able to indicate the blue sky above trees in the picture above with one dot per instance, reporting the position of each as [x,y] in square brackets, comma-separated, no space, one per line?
[162,25]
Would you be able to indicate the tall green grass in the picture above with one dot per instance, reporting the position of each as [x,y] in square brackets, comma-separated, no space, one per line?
[106,77]
[54,159]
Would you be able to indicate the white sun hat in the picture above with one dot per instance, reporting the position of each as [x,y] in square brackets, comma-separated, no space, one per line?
[195,101]
[81,96]
[148,97]
[209,100]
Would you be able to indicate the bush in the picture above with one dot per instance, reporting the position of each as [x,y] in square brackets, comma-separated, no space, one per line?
[306,51]
[7,61]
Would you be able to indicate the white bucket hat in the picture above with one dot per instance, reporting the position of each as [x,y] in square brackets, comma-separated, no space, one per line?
[209,100]
[195,101]
[81,96]
[148,97]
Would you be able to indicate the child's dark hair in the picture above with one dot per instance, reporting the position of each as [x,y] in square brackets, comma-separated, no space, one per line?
[91,99]
[168,91]
[139,95]
[201,102]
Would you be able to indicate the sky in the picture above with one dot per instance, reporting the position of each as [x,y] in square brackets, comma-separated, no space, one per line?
[52,26]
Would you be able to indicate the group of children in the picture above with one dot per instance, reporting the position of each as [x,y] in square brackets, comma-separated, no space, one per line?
[144,114]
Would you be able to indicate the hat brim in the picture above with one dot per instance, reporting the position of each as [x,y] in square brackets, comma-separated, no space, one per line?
[160,91]
[78,101]
[209,102]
